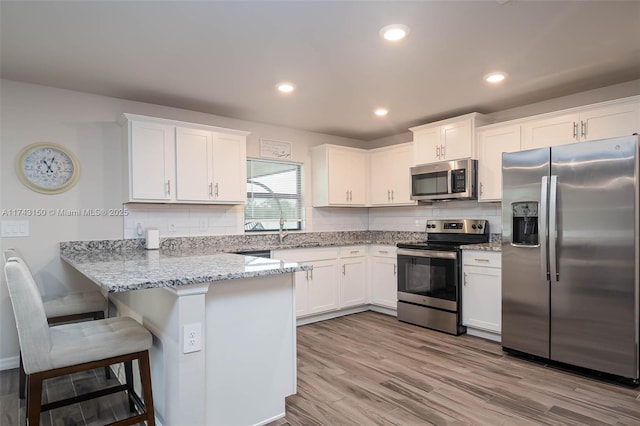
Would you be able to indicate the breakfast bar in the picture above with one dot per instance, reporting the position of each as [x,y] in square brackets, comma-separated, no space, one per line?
[224,346]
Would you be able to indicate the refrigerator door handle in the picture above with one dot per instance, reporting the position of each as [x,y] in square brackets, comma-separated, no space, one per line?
[553,229]
[542,228]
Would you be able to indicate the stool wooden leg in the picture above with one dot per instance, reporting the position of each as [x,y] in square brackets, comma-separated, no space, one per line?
[34,399]
[145,379]
[128,374]
[23,379]
[107,370]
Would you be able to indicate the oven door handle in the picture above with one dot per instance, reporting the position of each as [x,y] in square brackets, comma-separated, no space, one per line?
[428,253]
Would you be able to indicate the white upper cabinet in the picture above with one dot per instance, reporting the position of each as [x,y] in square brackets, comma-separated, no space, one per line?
[193,165]
[338,176]
[175,162]
[492,142]
[446,140]
[390,179]
[582,124]
[153,153]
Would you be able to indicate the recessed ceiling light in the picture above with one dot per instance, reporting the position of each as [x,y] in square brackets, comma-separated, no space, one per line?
[286,87]
[495,77]
[381,112]
[394,32]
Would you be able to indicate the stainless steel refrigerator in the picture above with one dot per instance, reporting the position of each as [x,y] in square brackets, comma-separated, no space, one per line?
[570,254]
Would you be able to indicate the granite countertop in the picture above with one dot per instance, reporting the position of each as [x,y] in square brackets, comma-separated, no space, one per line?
[491,246]
[135,269]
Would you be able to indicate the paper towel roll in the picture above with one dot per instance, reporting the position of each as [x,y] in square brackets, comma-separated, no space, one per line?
[153,239]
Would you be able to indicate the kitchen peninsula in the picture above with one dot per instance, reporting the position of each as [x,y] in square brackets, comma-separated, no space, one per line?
[224,349]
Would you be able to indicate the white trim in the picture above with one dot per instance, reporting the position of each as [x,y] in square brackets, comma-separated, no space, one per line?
[9,363]
[496,337]
[342,312]
[384,310]
[272,419]
[136,117]
[189,289]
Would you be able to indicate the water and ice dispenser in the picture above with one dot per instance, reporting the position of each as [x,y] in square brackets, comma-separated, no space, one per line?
[525,223]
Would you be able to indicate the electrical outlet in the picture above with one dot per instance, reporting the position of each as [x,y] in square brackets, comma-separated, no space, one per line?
[15,228]
[192,338]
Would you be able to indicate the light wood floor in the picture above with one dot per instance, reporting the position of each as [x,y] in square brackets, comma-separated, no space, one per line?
[371,369]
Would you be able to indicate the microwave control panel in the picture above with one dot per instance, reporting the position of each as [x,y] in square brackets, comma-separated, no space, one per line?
[458,180]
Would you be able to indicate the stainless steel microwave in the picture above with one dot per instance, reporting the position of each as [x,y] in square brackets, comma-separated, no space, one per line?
[448,180]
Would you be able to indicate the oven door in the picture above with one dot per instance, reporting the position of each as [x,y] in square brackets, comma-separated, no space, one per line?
[429,277]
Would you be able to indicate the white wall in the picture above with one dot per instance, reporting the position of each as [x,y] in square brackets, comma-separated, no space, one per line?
[86,124]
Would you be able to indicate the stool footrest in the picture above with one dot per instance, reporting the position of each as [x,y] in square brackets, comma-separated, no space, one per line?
[84,397]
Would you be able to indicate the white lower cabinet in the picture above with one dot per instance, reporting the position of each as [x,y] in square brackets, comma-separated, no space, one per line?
[353,276]
[317,289]
[384,276]
[340,279]
[482,291]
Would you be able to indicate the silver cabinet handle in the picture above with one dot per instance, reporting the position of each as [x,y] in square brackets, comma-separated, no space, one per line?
[383,252]
[350,195]
[168,187]
[216,189]
[583,129]
[344,269]
[354,251]
[395,269]
[482,260]
[392,197]
[575,130]
[388,195]
[347,195]
[443,151]
[210,189]
[307,277]
[464,282]
[438,151]
[480,188]
[311,274]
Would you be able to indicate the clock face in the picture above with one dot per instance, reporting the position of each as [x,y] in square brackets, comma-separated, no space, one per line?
[48,168]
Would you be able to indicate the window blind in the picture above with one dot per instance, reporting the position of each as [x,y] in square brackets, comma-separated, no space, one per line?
[274,190]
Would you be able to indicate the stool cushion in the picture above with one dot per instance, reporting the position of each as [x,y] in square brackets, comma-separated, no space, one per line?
[74,303]
[77,343]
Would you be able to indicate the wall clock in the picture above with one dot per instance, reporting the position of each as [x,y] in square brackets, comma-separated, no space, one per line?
[47,168]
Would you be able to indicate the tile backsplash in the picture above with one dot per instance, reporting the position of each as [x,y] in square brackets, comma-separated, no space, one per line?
[203,220]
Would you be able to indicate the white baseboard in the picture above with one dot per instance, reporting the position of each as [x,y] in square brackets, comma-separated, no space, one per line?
[9,363]
[484,334]
[272,419]
[343,312]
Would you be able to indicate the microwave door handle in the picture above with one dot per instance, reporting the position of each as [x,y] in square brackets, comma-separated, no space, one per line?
[449,174]
[553,229]
[542,229]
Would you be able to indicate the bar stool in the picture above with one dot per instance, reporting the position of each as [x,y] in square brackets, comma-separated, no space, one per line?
[75,306]
[49,352]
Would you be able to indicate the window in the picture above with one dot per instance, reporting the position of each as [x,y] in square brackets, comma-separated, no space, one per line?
[274,191]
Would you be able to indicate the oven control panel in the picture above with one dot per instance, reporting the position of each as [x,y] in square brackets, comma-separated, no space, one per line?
[458,226]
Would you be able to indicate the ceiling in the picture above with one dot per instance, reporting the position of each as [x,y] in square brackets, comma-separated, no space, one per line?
[225,58]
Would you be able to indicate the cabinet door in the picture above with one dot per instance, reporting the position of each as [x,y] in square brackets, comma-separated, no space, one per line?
[400,176]
[456,140]
[193,165]
[323,286]
[151,149]
[353,282]
[551,131]
[302,293]
[426,146]
[381,176]
[482,296]
[229,168]
[491,144]
[610,121]
[384,282]
[347,184]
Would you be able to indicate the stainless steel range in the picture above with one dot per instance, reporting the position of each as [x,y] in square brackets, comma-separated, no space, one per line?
[429,274]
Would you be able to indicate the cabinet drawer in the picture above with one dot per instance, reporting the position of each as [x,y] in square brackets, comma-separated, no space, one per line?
[353,251]
[383,251]
[490,259]
[305,255]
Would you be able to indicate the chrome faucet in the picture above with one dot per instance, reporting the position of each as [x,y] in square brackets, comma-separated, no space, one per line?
[282,235]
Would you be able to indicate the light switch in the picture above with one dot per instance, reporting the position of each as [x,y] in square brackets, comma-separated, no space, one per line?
[15,228]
